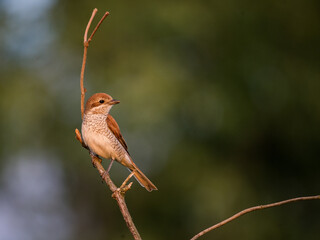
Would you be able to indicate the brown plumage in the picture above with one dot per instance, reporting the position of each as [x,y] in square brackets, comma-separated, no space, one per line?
[102,135]
[114,128]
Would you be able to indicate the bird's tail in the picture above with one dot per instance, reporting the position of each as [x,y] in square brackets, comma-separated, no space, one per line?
[141,178]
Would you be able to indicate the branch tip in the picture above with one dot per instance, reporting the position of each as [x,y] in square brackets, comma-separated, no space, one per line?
[78,135]
[98,25]
[251,209]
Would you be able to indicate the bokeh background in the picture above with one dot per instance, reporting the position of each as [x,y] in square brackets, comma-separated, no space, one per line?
[220,107]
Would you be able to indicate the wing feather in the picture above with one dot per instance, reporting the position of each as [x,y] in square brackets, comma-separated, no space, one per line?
[114,128]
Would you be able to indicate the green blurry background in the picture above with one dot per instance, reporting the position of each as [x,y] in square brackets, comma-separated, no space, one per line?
[220,107]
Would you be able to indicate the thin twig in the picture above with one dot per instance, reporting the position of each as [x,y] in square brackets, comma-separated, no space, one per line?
[251,210]
[85,37]
[84,59]
[85,50]
[98,25]
[117,193]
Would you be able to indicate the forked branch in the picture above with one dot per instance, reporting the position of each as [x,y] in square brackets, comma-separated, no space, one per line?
[117,193]
[86,42]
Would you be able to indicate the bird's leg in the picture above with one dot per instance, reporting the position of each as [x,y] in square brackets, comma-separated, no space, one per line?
[110,165]
[107,172]
[123,185]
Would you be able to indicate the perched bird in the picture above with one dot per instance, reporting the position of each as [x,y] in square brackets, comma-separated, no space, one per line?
[102,135]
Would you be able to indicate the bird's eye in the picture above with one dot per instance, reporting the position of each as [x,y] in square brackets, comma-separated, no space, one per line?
[101,101]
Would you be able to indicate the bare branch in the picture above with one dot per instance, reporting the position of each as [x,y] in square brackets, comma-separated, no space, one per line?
[119,196]
[117,193]
[85,38]
[98,25]
[239,214]
[85,50]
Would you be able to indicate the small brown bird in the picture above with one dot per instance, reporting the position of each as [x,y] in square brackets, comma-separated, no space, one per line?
[102,135]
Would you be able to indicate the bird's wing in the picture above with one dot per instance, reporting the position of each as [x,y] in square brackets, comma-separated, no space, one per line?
[114,128]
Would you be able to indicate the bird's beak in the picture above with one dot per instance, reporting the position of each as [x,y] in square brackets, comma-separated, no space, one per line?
[114,101]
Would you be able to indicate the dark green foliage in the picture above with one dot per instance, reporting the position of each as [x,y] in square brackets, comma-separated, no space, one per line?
[220,107]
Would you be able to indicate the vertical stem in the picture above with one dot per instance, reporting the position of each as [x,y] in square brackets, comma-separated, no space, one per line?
[85,50]
[83,90]
[118,193]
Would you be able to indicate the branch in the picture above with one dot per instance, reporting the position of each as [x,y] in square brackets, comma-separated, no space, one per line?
[239,214]
[85,50]
[117,193]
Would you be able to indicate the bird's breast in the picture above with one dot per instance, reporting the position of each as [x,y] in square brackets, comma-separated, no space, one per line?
[98,137]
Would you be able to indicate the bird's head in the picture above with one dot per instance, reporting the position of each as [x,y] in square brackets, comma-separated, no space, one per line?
[100,103]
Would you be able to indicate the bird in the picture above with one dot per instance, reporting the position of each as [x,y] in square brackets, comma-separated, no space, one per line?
[101,133]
